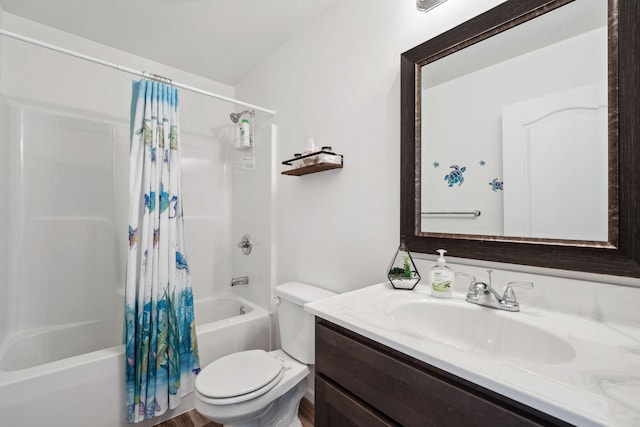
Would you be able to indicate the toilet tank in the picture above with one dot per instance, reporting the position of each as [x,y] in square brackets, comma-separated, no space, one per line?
[297,333]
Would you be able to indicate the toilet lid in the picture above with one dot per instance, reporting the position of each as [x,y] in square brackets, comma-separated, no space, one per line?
[251,372]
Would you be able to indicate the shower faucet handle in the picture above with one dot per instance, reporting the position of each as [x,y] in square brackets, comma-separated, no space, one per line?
[245,244]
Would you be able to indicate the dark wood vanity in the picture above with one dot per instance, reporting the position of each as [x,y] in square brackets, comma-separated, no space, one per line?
[360,382]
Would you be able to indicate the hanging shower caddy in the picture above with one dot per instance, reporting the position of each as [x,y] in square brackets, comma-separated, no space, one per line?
[243,138]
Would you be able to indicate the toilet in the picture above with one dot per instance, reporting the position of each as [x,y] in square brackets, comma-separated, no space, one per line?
[259,388]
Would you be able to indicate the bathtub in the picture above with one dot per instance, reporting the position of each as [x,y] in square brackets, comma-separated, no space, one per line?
[89,389]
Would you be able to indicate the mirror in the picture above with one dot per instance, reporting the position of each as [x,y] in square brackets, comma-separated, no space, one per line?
[477,174]
[517,127]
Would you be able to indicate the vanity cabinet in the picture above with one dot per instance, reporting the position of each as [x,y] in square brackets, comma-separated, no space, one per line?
[360,382]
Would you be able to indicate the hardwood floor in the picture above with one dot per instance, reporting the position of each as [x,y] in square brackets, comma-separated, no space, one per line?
[194,419]
[189,419]
[306,413]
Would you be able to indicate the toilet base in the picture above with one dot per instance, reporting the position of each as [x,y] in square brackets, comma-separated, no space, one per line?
[282,413]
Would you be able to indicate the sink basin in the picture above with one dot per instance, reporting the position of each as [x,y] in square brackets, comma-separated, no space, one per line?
[482,330]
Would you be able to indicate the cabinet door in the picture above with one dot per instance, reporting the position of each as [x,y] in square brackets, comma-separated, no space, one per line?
[334,408]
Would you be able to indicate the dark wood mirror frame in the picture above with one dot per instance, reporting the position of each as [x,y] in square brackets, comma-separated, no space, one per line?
[621,255]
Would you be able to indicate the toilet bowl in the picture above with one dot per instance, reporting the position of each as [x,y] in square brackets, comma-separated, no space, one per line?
[261,403]
[259,388]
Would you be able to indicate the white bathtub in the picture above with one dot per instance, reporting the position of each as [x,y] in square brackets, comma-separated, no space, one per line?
[89,389]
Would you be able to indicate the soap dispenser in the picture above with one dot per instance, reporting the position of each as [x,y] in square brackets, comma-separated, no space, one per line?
[441,278]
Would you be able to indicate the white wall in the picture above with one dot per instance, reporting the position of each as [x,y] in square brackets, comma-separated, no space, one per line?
[45,80]
[338,80]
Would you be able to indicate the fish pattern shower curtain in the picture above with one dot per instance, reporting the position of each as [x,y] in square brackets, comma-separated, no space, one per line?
[161,347]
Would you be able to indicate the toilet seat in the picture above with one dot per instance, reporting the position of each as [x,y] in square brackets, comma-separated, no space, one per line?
[239,377]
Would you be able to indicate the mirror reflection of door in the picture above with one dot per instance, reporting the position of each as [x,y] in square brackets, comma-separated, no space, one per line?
[554,162]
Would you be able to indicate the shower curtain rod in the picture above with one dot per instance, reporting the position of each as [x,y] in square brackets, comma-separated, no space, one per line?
[131,70]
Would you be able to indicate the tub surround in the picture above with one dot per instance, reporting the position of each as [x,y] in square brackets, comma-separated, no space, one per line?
[599,386]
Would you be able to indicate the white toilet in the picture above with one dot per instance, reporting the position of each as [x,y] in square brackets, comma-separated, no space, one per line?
[256,388]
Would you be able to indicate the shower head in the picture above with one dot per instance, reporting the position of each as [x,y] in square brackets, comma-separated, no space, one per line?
[235,117]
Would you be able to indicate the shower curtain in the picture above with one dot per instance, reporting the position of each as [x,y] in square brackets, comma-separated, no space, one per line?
[161,347]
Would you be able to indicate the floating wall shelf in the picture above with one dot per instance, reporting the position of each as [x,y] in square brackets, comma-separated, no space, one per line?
[315,162]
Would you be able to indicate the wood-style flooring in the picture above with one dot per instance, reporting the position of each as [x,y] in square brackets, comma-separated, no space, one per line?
[194,419]
[189,419]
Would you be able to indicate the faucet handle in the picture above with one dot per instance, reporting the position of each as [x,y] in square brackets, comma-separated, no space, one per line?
[509,295]
[472,281]
[470,276]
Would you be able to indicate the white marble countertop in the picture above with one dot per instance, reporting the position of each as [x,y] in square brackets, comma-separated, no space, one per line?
[600,386]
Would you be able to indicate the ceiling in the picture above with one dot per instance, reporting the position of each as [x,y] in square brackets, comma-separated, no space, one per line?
[222,40]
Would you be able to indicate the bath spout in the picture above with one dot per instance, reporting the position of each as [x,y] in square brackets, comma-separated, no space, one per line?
[242,280]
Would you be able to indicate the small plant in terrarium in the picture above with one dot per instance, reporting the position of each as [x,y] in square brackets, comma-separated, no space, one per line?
[402,272]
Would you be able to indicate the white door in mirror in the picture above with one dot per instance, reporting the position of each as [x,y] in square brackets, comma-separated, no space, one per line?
[555,165]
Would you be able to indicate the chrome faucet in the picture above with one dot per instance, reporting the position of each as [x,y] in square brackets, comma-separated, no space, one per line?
[483,293]
[242,280]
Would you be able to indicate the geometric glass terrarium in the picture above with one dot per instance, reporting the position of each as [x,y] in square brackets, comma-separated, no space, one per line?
[402,271]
